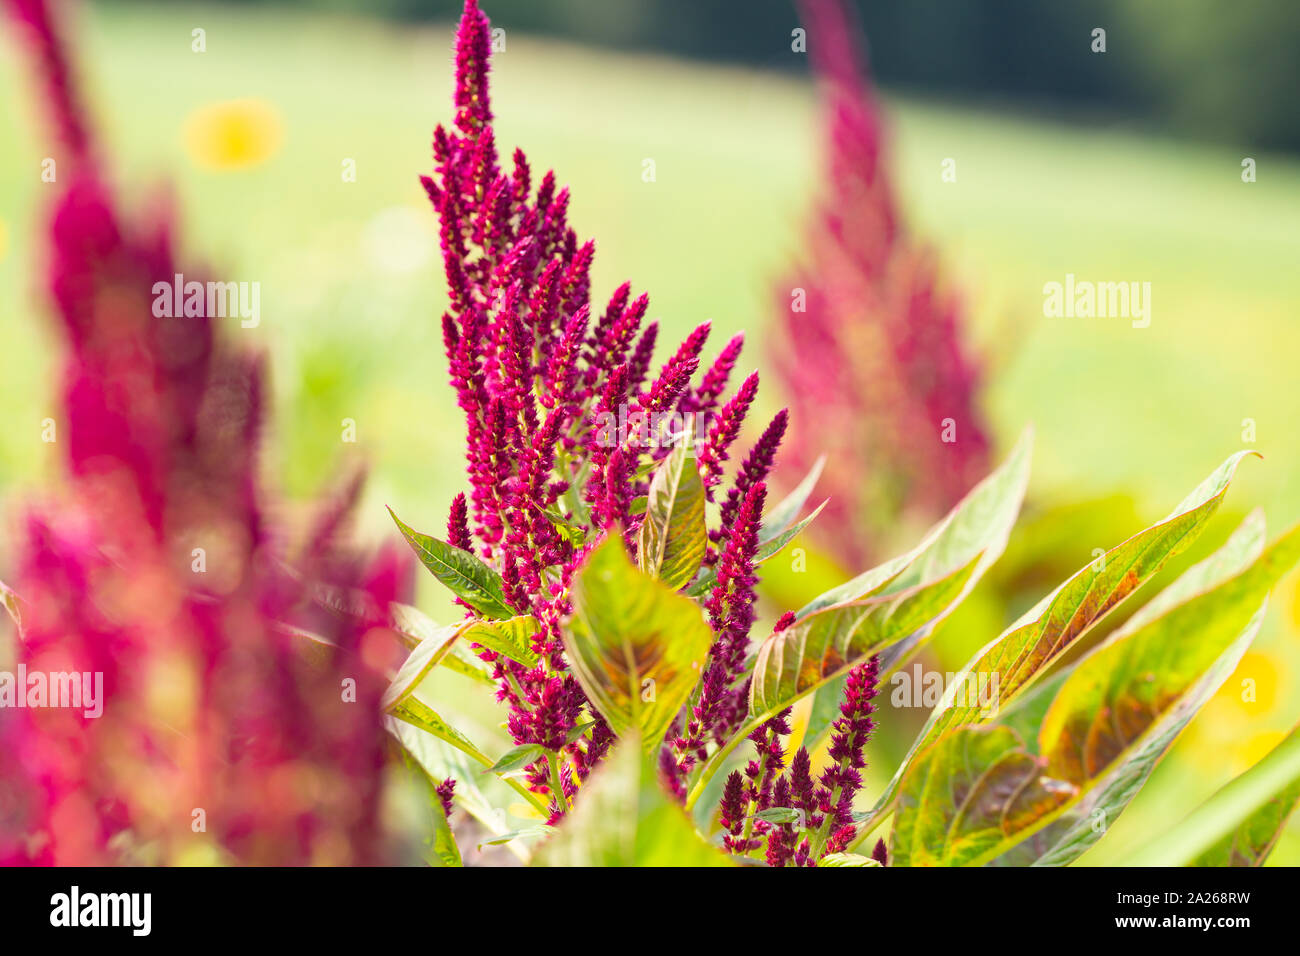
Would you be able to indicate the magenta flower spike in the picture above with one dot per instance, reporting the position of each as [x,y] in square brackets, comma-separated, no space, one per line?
[870,346]
[156,578]
[560,405]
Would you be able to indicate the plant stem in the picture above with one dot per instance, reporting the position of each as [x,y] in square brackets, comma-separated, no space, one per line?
[557,783]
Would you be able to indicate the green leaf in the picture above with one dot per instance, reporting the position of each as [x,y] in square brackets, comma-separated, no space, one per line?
[1126,701]
[438,760]
[672,539]
[575,534]
[1043,634]
[443,851]
[780,517]
[968,796]
[511,638]
[417,713]
[526,833]
[960,548]
[1191,666]
[796,661]
[464,575]
[517,758]
[417,665]
[847,859]
[635,646]
[977,525]
[780,815]
[625,819]
[1255,826]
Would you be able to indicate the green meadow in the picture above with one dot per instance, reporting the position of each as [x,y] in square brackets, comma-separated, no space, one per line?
[351,280]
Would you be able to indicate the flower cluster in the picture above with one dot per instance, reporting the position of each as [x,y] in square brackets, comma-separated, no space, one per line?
[870,347]
[821,810]
[537,370]
[220,738]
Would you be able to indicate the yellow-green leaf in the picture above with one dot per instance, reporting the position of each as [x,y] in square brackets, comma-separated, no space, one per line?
[635,645]
[1125,702]
[1044,633]
[796,661]
[968,796]
[673,537]
[624,818]
[426,656]
[512,637]
[1253,838]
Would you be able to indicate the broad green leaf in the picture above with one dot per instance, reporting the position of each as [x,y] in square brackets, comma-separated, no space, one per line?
[779,815]
[1251,840]
[979,524]
[782,515]
[1115,691]
[847,859]
[635,646]
[814,651]
[1144,642]
[672,540]
[1126,701]
[443,851]
[426,656]
[624,818]
[573,533]
[796,661]
[1238,825]
[517,758]
[968,795]
[513,637]
[1045,632]
[464,575]
[961,548]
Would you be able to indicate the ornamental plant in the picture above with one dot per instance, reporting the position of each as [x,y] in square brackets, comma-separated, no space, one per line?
[216,733]
[867,338]
[606,558]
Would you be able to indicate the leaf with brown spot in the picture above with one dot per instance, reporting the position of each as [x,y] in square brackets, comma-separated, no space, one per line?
[1045,632]
[635,645]
[969,796]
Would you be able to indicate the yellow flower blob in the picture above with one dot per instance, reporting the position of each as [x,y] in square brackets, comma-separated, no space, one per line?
[236,134]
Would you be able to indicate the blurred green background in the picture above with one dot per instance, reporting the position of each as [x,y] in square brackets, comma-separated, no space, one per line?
[253,135]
